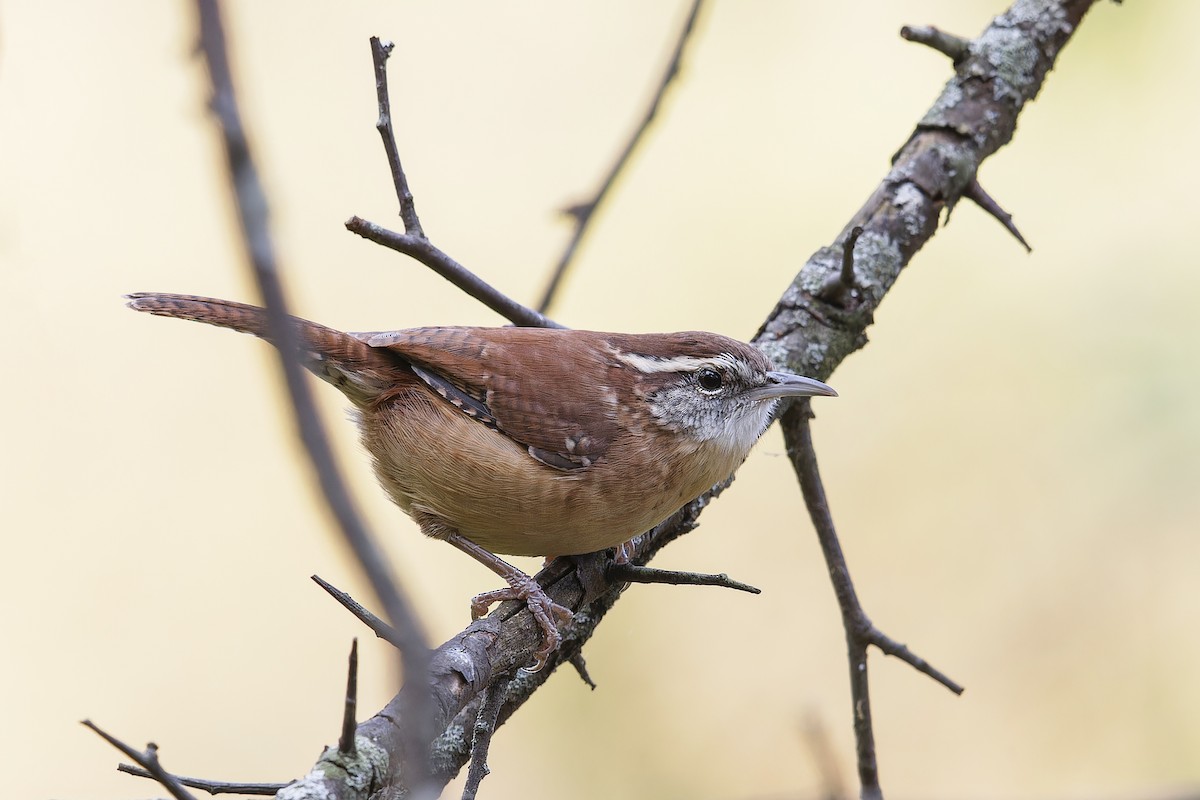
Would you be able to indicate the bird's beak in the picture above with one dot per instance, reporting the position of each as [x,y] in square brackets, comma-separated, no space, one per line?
[785,384]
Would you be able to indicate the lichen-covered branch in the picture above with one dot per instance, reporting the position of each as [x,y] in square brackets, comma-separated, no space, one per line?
[975,115]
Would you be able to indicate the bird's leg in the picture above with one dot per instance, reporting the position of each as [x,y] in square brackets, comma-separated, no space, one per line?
[520,587]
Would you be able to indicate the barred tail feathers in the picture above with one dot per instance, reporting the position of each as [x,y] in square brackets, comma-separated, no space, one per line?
[360,371]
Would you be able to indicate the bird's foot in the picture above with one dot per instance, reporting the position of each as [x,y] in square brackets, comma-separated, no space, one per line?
[545,611]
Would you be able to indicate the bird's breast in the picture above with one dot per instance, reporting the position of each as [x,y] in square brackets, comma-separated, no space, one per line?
[477,481]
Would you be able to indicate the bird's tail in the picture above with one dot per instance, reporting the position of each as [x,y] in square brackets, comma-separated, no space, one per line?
[362,372]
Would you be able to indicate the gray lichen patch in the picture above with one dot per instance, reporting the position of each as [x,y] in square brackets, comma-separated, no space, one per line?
[824,264]
[360,772]
[1013,58]
[877,262]
[910,202]
[938,117]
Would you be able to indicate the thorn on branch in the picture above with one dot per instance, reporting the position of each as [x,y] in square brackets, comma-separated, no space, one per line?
[976,194]
[377,626]
[350,714]
[839,289]
[632,573]
[955,47]
[577,661]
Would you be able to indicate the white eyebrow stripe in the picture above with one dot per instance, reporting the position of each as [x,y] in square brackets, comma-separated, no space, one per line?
[650,364]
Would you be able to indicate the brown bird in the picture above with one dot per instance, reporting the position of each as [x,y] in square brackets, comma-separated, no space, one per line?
[535,441]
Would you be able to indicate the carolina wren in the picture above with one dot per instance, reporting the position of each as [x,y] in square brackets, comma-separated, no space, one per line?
[535,441]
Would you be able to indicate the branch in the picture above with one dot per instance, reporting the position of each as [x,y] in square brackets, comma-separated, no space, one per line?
[471,284]
[860,631]
[481,740]
[212,787]
[583,213]
[147,761]
[974,117]
[252,214]
[954,47]
[632,573]
[408,209]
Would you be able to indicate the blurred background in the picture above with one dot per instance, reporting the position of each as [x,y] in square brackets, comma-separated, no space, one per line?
[1014,460]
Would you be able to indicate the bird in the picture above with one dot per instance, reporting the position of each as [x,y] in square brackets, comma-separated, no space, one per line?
[534,441]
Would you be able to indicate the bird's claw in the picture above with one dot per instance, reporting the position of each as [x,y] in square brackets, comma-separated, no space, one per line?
[547,613]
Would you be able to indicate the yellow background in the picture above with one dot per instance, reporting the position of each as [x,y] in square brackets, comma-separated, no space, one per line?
[1014,461]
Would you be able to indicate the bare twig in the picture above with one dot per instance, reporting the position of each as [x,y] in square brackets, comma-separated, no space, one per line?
[860,631]
[349,714]
[422,250]
[976,193]
[956,47]
[481,740]
[380,628]
[633,573]
[147,760]
[583,213]
[252,214]
[408,208]
[212,787]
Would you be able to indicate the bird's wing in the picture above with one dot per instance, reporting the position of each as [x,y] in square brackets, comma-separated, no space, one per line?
[522,383]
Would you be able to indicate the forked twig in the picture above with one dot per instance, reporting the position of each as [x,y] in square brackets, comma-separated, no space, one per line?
[583,213]
[147,760]
[860,631]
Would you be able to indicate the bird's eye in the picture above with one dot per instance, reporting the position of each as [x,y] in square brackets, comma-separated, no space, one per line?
[709,380]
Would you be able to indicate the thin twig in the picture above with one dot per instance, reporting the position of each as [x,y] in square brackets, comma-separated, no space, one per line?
[860,631]
[956,47]
[212,787]
[252,214]
[377,626]
[408,209]
[632,573]
[798,437]
[481,740]
[147,761]
[981,198]
[350,713]
[470,283]
[583,213]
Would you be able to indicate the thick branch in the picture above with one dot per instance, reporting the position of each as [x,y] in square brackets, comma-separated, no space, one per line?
[975,116]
